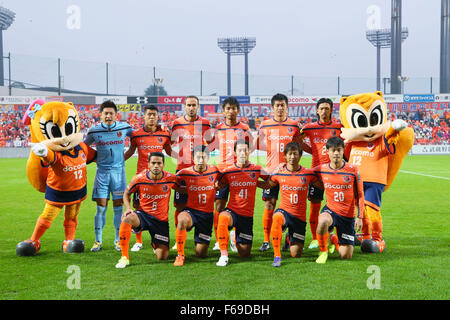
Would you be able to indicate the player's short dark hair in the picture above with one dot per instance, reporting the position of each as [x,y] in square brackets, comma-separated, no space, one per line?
[151,107]
[192,97]
[324,100]
[156,154]
[232,101]
[108,104]
[200,148]
[335,142]
[241,141]
[291,146]
[279,97]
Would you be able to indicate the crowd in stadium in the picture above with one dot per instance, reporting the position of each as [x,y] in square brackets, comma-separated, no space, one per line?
[429,127]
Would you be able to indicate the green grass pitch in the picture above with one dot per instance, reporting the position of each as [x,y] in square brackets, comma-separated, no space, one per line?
[414,266]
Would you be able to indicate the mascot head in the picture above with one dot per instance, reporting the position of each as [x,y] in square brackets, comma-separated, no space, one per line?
[56,124]
[364,117]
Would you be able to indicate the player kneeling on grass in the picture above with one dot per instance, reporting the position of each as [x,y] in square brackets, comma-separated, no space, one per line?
[242,180]
[293,181]
[200,181]
[154,186]
[343,188]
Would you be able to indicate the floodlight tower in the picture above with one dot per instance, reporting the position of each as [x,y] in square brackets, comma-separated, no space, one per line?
[6,19]
[235,47]
[381,38]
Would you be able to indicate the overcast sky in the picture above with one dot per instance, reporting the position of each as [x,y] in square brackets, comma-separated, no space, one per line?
[322,38]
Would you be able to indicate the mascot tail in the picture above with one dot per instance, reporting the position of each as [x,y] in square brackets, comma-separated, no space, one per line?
[402,147]
[36,173]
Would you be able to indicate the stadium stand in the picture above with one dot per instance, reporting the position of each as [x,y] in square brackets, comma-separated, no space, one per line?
[430,128]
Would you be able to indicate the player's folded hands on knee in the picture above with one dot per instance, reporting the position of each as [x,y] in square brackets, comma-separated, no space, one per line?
[126,213]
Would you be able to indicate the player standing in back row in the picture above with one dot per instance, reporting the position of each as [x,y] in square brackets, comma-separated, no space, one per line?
[225,136]
[109,138]
[187,132]
[318,133]
[274,135]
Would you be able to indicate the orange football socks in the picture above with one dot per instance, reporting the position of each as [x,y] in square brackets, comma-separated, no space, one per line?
[334,240]
[216,222]
[323,241]
[314,218]
[70,226]
[180,238]
[125,235]
[277,234]
[222,234]
[41,226]
[139,237]
[267,223]
[176,217]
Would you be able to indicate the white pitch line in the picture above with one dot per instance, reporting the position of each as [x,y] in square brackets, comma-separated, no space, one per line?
[425,175]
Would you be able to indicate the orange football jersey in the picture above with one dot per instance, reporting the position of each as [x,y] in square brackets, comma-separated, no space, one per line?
[294,189]
[343,189]
[154,195]
[224,139]
[318,133]
[242,183]
[371,158]
[66,180]
[201,187]
[187,135]
[148,142]
[275,136]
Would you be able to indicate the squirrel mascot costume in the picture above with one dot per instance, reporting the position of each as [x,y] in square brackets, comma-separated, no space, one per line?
[57,167]
[378,148]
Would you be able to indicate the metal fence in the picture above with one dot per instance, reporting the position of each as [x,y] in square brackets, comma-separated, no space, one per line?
[106,78]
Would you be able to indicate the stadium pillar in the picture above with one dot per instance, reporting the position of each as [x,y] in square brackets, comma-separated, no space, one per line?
[9,73]
[59,76]
[246,72]
[378,67]
[228,74]
[107,78]
[2,76]
[292,85]
[339,85]
[445,47]
[396,46]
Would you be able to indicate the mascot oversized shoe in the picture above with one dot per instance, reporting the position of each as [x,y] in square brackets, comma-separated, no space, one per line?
[73,246]
[28,248]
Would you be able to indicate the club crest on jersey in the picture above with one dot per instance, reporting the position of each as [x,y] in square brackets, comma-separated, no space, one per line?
[290,130]
[370,146]
[333,133]
[83,156]
[119,134]
[160,140]
[303,180]
[211,179]
[165,188]
[252,175]
[347,179]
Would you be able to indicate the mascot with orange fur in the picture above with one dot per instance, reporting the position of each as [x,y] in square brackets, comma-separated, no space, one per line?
[378,148]
[57,167]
